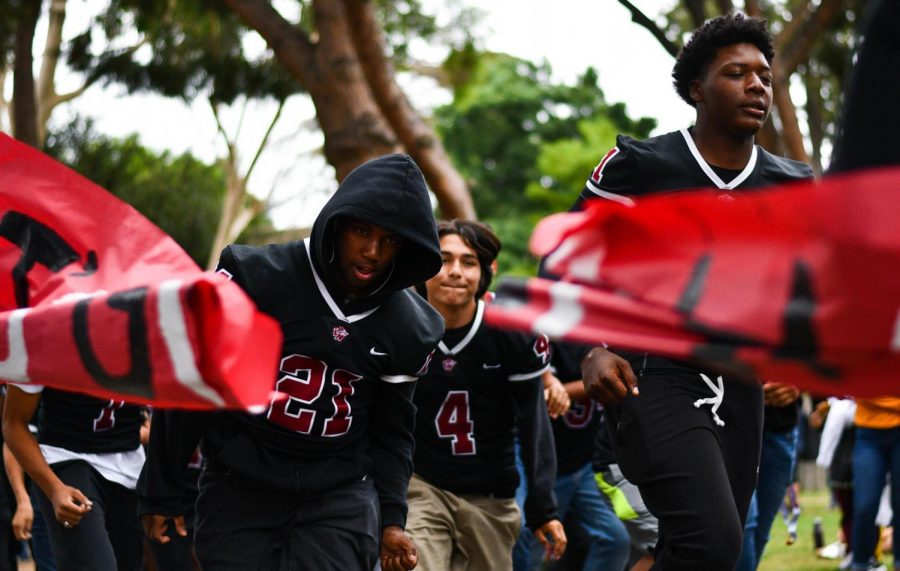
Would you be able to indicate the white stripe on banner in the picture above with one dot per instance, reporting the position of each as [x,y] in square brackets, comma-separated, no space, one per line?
[15,366]
[174,330]
[565,310]
[895,342]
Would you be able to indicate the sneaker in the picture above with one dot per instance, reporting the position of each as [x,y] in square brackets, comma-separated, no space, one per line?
[846,562]
[835,550]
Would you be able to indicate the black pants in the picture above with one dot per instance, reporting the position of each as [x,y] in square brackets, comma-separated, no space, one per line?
[696,477]
[243,527]
[109,537]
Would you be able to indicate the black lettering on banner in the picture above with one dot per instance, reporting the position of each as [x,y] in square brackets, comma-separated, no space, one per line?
[40,244]
[136,381]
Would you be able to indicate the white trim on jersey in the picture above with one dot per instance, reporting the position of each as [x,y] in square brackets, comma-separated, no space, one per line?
[722,185]
[476,323]
[529,376]
[327,296]
[397,379]
[620,198]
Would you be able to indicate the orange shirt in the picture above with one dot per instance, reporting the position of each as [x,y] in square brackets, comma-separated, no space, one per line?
[881,412]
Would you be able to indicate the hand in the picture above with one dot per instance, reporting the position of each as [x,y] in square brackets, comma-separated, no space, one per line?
[69,505]
[558,401]
[398,552]
[778,394]
[818,415]
[22,520]
[156,526]
[553,538]
[607,377]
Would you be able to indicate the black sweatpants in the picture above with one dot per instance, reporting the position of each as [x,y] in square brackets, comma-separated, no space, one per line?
[243,527]
[109,537]
[695,476]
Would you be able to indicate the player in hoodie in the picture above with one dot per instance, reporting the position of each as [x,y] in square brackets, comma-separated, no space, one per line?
[318,479]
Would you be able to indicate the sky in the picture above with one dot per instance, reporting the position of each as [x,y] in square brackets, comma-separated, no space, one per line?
[570,35]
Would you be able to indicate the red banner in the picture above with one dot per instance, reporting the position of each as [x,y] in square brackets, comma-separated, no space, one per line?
[799,284]
[96,299]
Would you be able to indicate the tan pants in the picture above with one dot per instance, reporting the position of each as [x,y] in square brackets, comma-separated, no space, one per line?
[461,533]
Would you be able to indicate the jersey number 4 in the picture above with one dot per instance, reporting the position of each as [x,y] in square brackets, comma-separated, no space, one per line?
[453,421]
[301,384]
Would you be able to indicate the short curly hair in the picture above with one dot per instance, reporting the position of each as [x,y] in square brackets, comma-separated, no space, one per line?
[705,43]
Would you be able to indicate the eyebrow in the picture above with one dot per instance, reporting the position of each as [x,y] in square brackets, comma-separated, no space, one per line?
[766,67]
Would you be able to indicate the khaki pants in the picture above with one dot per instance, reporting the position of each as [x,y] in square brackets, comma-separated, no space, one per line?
[461,533]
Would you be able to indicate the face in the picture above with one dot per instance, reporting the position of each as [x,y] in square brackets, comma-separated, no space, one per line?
[455,285]
[735,93]
[364,252]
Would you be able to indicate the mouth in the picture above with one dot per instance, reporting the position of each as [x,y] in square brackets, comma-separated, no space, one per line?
[364,273]
[755,108]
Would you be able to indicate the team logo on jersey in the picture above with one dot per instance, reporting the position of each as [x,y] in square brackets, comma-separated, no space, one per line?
[339,333]
[449,363]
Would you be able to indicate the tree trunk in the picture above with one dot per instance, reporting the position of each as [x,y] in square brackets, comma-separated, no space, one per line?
[24,117]
[353,126]
[790,125]
[46,89]
[420,140]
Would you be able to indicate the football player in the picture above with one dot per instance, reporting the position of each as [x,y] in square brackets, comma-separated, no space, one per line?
[317,480]
[483,389]
[691,439]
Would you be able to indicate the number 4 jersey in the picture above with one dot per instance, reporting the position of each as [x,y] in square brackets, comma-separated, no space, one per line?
[484,385]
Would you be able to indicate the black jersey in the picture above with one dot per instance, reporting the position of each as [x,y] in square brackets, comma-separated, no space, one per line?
[475,396]
[343,408]
[573,432]
[668,163]
[86,424]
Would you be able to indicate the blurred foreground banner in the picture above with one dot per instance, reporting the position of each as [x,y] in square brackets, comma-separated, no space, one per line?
[96,299]
[798,284]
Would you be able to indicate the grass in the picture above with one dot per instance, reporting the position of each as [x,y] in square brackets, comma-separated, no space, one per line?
[800,556]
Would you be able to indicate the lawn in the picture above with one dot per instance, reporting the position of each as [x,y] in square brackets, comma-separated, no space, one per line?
[800,556]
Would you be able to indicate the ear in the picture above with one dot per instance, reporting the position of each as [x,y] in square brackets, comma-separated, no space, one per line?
[695,90]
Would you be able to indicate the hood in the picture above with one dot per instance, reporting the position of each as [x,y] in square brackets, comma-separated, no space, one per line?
[388,191]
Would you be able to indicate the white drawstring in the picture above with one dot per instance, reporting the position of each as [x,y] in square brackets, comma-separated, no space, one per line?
[715,401]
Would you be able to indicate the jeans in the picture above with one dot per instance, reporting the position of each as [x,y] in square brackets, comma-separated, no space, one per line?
[875,454]
[610,545]
[776,465]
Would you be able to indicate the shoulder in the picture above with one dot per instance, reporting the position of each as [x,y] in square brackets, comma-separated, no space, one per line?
[411,327]
[775,168]
[634,166]
[266,270]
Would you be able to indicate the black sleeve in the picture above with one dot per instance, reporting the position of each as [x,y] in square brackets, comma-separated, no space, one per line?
[391,448]
[869,136]
[538,451]
[166,486]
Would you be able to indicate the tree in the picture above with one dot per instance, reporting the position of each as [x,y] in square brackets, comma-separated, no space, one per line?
[341,60]
[180,194]
[510,125]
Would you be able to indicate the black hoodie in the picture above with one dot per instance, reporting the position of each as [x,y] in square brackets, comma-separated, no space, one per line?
[347,363]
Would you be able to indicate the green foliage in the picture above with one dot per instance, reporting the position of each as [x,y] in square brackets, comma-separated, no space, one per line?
[188,48]
[524,143]
[180,194]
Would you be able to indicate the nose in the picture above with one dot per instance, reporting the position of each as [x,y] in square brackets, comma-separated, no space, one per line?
[755,84]
[453,268]
[372,248]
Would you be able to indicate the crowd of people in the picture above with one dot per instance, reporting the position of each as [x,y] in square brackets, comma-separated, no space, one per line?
[405,431]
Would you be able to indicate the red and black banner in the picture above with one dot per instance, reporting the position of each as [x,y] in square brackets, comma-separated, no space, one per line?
[798,284]
[96,299]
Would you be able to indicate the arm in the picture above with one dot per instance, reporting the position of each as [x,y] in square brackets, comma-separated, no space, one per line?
[539,459]
[24,516]
[69,504]
[556,395]
[164,490]
[607,377]
[391,450]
